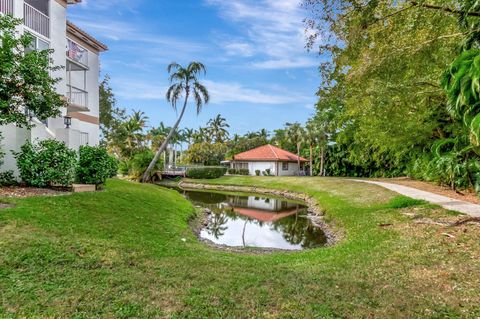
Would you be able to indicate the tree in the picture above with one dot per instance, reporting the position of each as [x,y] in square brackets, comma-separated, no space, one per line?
[296,135]
[111,117]
[217,129]
[184,83]
[26,85]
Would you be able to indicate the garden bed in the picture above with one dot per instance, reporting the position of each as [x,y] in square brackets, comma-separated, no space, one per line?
[23,192]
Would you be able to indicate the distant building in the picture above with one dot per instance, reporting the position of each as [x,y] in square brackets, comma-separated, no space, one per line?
[78,53]
[278,161]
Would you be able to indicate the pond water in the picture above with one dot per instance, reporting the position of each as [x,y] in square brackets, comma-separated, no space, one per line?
[256,221]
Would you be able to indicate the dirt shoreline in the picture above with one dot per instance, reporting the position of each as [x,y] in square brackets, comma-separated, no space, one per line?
[316,213]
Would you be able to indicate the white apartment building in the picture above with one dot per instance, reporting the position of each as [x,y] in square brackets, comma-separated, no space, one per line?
[78,53]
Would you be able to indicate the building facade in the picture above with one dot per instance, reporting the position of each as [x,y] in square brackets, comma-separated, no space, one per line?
[268,157]
[78,54]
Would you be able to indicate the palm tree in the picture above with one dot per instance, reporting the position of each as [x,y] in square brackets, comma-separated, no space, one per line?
[157,135]
[133,128]
[217,129]
[184,83]
[296,135]
[189,135]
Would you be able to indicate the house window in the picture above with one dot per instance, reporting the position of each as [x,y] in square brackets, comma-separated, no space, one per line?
[83,138]
[284,166]
[37,44]
[240,165]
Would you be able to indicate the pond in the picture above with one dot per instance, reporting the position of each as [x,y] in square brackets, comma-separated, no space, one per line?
[240,220]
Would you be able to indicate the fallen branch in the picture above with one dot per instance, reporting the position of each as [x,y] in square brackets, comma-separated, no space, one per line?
[465,221]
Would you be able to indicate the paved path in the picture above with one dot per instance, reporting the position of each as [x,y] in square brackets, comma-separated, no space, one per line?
[446,202]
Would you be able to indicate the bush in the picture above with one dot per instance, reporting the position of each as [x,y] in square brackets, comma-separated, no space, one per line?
[243,171]
[48,163]
[95,165]
[7,179]
[232,171]
[207,172]
[257,172]
[268,172]
[139,163]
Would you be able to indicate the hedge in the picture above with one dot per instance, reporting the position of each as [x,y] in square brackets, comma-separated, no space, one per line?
[242,171]
[207,172]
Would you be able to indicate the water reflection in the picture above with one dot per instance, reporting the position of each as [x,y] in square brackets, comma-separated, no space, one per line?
[256,221]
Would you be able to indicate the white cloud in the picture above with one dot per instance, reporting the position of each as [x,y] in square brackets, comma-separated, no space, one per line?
[220,92]
[274,29]
[228,92]
[239,49]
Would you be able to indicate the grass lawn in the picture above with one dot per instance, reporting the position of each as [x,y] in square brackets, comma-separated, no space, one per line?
[120,254]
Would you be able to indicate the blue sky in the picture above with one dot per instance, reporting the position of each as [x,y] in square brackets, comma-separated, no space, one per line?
[258,72]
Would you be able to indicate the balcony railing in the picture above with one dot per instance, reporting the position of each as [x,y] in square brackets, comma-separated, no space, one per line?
[6,6]
[77,53]
[36,20]
[77,98]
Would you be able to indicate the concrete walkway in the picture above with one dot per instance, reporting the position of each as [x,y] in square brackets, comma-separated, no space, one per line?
[446,202]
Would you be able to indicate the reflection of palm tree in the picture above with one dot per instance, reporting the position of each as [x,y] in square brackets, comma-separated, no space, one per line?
[216,225]
[243,232]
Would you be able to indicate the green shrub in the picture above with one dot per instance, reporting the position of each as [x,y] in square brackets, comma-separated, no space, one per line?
[232,171]
[207,172]
[257,172]
[95,165]
[124,167]
[7,179]
[268,172]
[47,163]
[243,171]
[139,163]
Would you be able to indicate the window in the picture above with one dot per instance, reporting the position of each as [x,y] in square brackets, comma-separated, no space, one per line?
[240,165]
[37,44]
[284,166]
[83,138]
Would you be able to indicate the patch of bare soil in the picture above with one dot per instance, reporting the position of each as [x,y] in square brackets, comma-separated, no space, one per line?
[464,195]
[23,192]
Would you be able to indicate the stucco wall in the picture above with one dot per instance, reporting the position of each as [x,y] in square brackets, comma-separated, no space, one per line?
[261,166]
[292,169]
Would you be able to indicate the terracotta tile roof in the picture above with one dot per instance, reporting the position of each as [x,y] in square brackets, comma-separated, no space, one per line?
[267,153]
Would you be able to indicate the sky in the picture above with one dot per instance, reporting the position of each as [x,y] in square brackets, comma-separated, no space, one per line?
[259,73]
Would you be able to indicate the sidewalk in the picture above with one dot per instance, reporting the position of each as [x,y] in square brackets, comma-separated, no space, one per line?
[446,202]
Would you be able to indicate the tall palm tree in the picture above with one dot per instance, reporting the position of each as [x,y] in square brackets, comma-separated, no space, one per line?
[184,83]
[296,135]
[217,128]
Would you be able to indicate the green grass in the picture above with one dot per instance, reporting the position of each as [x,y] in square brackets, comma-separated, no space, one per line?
[120,254]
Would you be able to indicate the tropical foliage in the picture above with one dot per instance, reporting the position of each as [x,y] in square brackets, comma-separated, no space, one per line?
[27,88]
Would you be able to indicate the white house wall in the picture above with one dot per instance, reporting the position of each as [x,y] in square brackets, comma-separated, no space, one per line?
[261,166]
[292,170]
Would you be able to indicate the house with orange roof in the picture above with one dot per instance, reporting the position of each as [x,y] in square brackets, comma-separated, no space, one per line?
[268,157]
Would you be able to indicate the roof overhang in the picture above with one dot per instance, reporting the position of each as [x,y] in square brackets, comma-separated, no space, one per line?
[73,1]
[85,37]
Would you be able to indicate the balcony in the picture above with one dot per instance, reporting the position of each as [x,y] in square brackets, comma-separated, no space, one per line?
[77,99]
[6,6]
[77,54]
[35,20]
